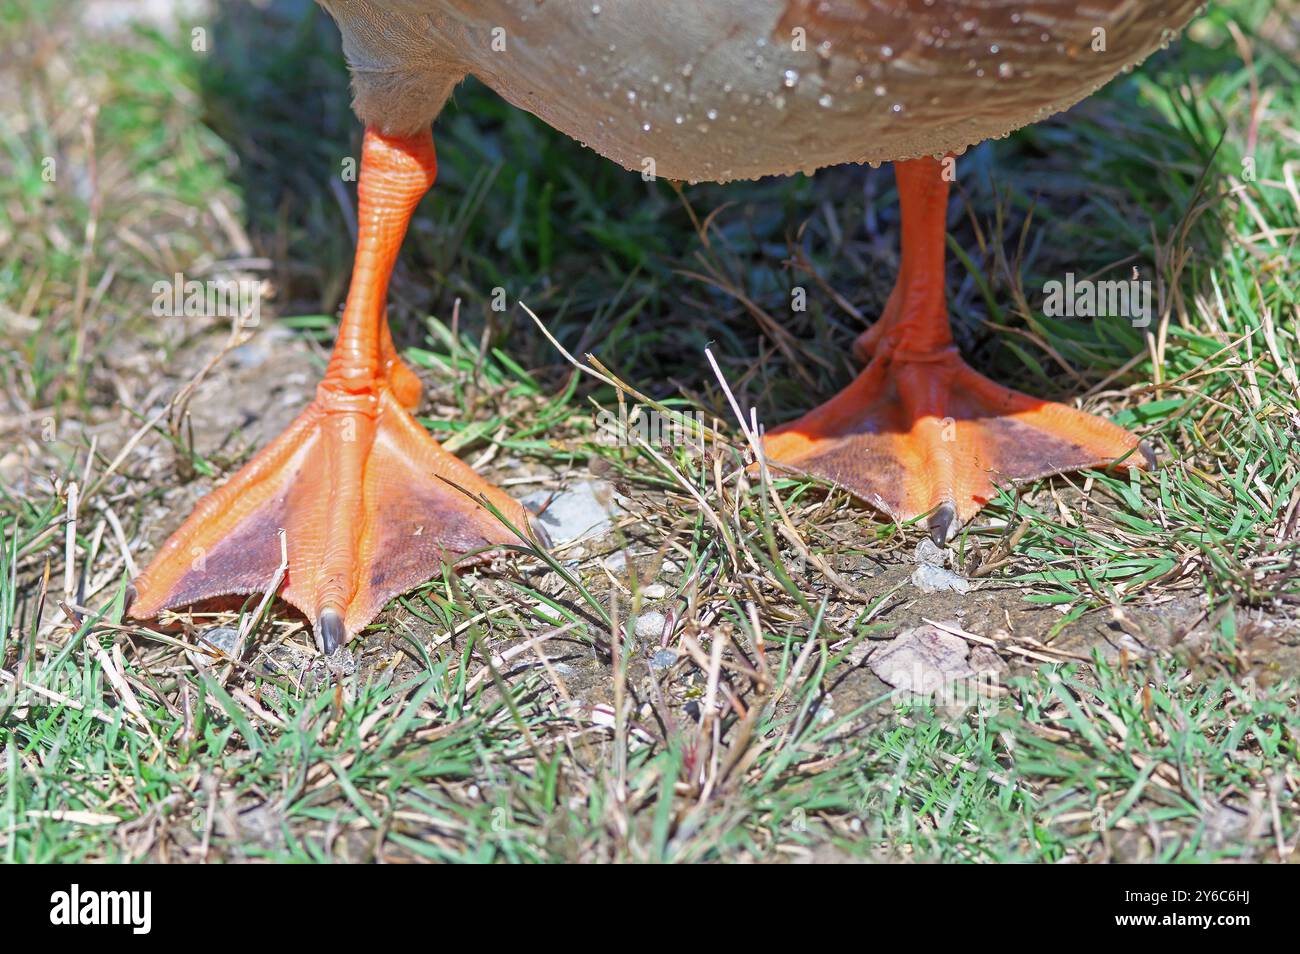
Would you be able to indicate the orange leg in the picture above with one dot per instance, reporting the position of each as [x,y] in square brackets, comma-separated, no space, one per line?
[919,432]
[360,489]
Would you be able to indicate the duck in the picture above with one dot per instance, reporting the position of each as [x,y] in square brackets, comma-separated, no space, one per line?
[355,502]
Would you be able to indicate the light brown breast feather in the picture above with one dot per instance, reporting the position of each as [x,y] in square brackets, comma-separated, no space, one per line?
[724,89]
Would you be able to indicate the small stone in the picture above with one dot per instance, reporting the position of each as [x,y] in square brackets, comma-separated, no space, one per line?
[248,356]
[650,625]
[581,511]
[921,660]
[341,662]
[220,638]
[655,591]
[663,659]
[928,553]
[671,567]
[1130,644]
[929,666]
[616,562]
[929,578]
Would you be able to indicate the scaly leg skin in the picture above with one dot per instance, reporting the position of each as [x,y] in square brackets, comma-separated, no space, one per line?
[359,487]
[919,432]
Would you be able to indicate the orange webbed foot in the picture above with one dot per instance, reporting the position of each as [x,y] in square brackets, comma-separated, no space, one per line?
[369,508]
[935,437]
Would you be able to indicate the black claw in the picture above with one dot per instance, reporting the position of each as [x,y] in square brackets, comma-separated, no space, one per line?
[940,523]
[1148,455]
[329,632]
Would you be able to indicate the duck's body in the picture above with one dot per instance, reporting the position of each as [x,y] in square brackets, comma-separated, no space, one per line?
[748,88]
[682,89]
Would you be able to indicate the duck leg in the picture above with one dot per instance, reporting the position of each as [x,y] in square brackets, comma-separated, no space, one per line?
[360,489]
[919,431]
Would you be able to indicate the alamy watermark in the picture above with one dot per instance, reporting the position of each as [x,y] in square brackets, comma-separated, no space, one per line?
[627,428]
[920,685]
[215,298]
[1085,298]
[76,907]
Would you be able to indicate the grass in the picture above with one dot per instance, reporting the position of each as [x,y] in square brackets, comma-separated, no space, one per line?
[1142,628]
